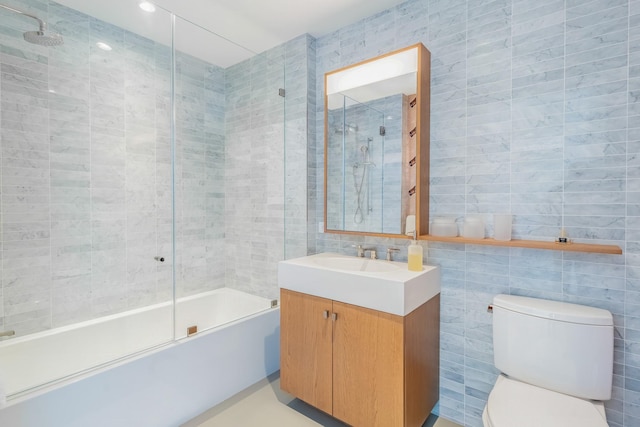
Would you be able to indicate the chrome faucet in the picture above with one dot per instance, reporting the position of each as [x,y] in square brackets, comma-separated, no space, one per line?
[359,249]
[372,251]
[390,251]
[362,250]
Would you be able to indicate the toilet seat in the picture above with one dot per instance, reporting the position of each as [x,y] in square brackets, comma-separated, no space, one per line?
[516,404]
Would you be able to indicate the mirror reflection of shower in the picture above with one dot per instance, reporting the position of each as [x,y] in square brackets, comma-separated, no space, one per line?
[355,147]
[361,182]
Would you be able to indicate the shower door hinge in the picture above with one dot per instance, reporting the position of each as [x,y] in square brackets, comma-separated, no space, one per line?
[281,92]
[382,131]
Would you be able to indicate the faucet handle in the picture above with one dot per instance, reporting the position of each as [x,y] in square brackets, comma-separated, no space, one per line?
[390,251]
[373,254]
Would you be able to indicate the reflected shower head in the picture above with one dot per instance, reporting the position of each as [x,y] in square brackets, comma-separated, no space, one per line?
[347,129]
[41,37]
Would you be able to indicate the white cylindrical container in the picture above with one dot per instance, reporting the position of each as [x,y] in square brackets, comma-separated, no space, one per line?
[502,226]
[473,227]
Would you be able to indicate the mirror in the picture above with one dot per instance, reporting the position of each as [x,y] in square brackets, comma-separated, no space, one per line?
[376,152]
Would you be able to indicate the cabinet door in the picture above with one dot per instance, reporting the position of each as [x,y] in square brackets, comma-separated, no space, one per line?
[368,367]
[305,348]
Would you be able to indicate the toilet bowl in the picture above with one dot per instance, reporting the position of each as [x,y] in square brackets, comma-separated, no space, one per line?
[556,361]
[513,403]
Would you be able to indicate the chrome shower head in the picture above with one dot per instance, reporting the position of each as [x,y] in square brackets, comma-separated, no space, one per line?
[43,38]
[346,129]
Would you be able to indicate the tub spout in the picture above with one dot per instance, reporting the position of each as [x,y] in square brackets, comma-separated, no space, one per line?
[7,333]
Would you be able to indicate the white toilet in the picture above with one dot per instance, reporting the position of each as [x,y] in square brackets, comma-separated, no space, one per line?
[556,361]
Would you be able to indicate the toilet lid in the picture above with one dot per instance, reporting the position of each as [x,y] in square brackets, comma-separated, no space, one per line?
[516,404]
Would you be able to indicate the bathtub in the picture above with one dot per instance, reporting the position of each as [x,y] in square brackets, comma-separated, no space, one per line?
[239,352]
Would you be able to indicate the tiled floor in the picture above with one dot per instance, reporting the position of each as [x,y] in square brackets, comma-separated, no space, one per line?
[265,405]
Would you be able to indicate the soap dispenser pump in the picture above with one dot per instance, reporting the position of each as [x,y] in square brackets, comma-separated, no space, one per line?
[414,257]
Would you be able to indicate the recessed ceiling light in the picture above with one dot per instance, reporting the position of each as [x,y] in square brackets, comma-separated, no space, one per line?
[104,46]
[147,6]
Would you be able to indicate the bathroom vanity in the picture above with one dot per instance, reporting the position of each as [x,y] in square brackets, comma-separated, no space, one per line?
[360,338]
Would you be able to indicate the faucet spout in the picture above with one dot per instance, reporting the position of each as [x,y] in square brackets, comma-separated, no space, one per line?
[373,253]
[359,249]
[389,253]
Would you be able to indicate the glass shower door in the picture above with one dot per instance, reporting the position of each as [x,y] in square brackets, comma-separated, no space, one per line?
[228,175]
[85,140]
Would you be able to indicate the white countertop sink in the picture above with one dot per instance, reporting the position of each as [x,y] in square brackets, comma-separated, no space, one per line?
[380,285]
[355,264]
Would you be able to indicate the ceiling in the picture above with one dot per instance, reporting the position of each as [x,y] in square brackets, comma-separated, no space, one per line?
[243,27]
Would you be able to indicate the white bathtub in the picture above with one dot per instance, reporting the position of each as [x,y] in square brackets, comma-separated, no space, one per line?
[27,362]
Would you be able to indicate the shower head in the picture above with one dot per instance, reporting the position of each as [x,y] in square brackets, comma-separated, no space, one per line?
[347,129]
[41,37]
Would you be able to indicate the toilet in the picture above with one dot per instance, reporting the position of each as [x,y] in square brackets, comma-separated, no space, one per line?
[556,364]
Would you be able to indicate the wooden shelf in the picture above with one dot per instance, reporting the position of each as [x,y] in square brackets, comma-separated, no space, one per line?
[532,244]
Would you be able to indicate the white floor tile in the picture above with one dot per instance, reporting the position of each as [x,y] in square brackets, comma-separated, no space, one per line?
[264,404]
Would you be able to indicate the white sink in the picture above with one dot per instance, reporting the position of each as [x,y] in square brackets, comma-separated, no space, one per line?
[355,264]
[380,285]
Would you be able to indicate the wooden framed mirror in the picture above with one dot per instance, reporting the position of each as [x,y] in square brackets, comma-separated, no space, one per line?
[376,148]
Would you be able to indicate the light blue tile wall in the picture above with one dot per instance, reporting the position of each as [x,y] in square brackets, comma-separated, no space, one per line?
[534,111]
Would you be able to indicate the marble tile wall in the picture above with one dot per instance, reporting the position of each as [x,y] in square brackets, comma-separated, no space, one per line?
[534,111]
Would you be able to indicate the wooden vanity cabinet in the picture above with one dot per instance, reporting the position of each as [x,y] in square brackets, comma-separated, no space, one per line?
[365,367]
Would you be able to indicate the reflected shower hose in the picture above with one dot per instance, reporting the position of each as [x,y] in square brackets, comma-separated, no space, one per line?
[358,216]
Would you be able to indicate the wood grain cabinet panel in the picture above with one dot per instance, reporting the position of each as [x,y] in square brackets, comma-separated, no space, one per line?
[367,367]
[306,348]
[376,369]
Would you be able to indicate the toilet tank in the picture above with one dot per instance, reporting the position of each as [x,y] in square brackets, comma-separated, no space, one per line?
[559,346]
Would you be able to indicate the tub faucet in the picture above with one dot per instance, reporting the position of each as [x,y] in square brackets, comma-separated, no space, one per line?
[7,333]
